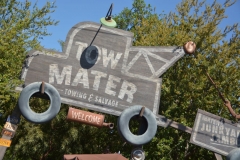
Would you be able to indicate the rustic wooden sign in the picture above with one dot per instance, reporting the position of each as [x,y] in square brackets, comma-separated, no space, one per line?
[215,133]
[85,117]
[108,76]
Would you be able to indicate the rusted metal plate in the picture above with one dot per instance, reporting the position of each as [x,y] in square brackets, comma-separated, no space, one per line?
[5,142]
[11,127]
[215,133]
[108,80]
[85,117]
[8,133]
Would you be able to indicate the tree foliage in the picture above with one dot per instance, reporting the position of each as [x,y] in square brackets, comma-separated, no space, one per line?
[185,85]
[21,27]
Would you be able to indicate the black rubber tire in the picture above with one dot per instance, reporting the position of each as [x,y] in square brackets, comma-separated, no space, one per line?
[234,154]
[91,54]
[89,57]
[127,135]
[28,113]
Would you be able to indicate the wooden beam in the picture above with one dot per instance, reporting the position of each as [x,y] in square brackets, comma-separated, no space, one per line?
[180,126]
[218,157]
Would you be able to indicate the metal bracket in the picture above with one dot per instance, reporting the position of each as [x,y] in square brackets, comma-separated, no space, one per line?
[42,87]
[142,111]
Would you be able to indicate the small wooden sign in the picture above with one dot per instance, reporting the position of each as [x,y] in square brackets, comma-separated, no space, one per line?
[11,127]
[215,133]
[5,142]
[85,117]
[8,133]
[99,69]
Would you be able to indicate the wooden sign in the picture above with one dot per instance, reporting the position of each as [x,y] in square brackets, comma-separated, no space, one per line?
[108,76]
[10,127]
[85,117]
[5,142]
[215,133]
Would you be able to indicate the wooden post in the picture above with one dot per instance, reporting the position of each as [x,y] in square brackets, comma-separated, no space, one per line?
[218,157]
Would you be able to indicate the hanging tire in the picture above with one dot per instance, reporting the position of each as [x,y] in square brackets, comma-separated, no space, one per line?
[234,154]
[127,135]
[28,113]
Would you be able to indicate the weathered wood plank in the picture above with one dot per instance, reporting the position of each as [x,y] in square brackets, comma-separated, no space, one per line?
[215,133]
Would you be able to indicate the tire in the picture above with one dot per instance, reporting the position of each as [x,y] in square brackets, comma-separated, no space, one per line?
[150,125]
[89,57]
[28,113]
[234,154]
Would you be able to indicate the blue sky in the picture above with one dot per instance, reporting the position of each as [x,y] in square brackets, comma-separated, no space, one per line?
[72,12]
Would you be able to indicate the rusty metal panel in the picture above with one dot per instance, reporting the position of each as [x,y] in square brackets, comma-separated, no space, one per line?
[8,133]
[215,133]
[121,76]
[85,117]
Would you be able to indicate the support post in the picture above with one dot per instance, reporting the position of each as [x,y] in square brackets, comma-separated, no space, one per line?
[218,157]
[14,120]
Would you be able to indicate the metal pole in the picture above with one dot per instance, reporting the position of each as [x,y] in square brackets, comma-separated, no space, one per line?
[3,148]
[14,120]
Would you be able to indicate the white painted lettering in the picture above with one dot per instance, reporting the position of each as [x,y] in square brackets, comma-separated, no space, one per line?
[232,141]
[208,127]
[81,47]
[233,133]
[54,71]
[97,79]
[110,85]
[203,127]
[99,99]
[81,77]
[110,102]
[96,99]
[227,131]
[74,114]
[214,129]
[106,100]
[110,57]
[225,139]
[221,130]
[124,91]
[74,93]
[238,133]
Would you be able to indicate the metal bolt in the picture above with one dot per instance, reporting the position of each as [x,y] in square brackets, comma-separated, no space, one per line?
[137,154]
